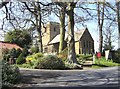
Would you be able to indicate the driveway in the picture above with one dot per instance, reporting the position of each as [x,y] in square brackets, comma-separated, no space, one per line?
[107,78]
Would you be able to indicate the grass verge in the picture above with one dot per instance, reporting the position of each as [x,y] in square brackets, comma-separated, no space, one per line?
[102,62]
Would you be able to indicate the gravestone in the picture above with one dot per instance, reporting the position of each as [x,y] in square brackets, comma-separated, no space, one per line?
[93,58]
[108,54]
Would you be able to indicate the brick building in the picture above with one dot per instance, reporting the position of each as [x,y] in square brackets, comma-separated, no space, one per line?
[6,45]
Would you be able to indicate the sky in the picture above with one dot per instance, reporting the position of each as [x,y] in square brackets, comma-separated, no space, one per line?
[93,29]
[91,25]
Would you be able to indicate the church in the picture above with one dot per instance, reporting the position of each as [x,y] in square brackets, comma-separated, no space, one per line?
[84,43]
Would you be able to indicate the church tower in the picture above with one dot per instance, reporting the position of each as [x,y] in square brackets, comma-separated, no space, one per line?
[50,31]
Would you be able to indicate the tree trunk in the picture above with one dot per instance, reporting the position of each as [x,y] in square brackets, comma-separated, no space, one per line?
[38,27]
[100,25]
[118,16]
[62,29]
[100,39]
[3,3]
[71,42]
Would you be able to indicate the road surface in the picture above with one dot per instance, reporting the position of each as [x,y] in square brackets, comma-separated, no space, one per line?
[106,78]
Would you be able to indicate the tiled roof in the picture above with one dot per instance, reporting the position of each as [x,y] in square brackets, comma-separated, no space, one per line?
[77,35]
[56,39]
[9,45]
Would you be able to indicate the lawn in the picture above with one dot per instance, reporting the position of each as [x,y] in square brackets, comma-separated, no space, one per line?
[99,63]
[102,62]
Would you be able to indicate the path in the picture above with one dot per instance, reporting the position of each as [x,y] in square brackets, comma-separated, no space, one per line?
[35,78]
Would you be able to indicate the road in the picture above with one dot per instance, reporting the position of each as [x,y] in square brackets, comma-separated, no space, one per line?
[106,78]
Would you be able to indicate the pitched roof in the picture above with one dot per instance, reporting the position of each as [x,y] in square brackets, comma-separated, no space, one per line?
[77,35]
[9,45]
[56,39]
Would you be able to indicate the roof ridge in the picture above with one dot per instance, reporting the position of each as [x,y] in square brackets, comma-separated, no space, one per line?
[10,44]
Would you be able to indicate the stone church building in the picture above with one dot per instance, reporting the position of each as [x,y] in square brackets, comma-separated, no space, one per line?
[84,43]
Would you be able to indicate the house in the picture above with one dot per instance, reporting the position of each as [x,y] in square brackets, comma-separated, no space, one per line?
[6,45]
[84,43]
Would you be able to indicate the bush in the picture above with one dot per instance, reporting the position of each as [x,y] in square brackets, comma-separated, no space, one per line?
[31,59]
[20,59]
[13,53]
[25,52]
[50,62]
[10,74]
[5,51]
[6,57]
[38,55]
[24,65]
[35,49]
[6,54]
[117,56]
[18,52]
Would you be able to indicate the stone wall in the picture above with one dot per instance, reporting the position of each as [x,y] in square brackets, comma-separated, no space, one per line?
[84,46]
[87,43]
[77,47]
[52,29]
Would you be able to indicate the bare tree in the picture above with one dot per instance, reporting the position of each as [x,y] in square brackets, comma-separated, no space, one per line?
[116,9]
[109,36]
[62,13]
[100,12]
[62,26]
[118,19]
[37,12]
[3,3]
[71,41]
[29,13]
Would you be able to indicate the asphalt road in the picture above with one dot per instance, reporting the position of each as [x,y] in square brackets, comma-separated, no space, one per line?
[106,78]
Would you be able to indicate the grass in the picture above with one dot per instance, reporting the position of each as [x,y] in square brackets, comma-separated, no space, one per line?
[102,62]
[82,58]
[25,65]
